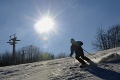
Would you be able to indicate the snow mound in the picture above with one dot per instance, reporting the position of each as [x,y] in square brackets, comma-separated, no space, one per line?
[110,57]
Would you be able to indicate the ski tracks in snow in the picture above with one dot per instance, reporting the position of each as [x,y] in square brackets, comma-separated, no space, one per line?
[104,71]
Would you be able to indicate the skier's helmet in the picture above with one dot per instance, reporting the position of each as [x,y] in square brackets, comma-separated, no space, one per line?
[72,40]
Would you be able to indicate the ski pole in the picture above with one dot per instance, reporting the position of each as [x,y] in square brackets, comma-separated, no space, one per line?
[87,52]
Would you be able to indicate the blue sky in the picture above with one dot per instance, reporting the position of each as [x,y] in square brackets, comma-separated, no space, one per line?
[78,19]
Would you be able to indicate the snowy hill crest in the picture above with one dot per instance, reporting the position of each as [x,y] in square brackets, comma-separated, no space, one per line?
[108,68]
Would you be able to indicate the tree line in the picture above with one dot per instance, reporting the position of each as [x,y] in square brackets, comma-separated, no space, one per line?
[27,54]
[107,39]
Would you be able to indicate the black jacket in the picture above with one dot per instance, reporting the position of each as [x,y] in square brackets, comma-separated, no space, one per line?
[76,47]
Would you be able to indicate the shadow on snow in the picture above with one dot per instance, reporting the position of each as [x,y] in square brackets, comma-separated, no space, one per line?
[104,73]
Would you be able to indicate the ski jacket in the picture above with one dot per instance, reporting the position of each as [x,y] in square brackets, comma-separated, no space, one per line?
[76,47]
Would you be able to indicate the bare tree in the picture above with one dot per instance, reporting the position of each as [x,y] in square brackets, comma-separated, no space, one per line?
[6,58]
[29,53]
[107,39]
[100,41]
[114,34]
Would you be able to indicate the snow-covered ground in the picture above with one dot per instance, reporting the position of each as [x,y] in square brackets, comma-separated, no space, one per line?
[59,69]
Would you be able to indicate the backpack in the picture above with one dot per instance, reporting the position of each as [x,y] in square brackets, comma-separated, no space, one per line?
[80,43]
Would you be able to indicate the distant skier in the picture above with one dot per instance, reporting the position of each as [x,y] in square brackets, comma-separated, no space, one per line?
[76,47]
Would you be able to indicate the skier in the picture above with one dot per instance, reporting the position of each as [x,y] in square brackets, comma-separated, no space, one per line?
[76,47]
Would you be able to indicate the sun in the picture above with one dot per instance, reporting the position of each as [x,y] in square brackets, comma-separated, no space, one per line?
[44,25]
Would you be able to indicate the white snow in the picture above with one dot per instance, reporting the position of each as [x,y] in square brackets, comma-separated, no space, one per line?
[59,69]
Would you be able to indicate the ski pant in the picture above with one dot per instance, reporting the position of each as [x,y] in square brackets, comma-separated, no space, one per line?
[80,57]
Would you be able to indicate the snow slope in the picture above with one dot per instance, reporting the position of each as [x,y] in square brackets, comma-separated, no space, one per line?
[59,69]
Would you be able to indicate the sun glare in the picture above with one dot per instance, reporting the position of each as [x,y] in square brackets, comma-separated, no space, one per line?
[44,25]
